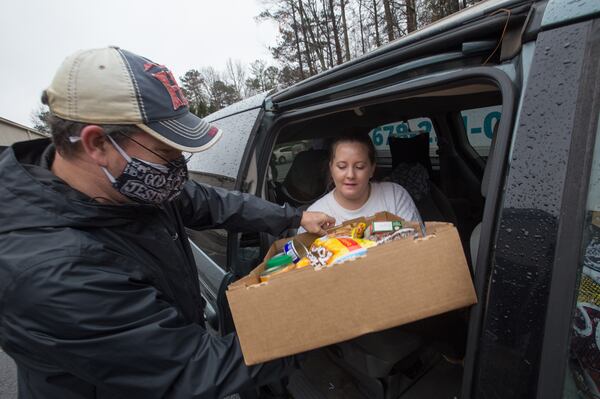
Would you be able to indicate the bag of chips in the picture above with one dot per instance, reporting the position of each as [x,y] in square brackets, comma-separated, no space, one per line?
[326,251]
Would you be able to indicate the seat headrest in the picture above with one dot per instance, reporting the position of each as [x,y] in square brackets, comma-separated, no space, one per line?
[411,150]
[306,181]
[413,177]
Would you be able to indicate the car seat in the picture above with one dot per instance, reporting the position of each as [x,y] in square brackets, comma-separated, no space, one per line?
[306,180]
[411,168]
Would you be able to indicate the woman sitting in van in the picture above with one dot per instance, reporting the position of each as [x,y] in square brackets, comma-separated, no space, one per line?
[352,165]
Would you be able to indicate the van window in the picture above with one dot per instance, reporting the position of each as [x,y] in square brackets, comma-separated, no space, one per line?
[283,155]
[219,166]
[583,371]
[404,129]
[480,125]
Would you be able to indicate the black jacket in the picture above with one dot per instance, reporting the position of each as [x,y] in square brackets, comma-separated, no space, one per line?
[103,301]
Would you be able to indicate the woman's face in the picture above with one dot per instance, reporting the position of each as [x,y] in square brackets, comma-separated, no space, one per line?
[351,170]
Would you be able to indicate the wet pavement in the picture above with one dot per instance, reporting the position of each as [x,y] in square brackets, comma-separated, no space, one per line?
[8,377]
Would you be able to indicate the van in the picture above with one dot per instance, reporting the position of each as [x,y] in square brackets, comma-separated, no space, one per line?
[498,105]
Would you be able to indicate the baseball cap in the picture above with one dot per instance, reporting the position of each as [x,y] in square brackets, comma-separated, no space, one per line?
[114,86]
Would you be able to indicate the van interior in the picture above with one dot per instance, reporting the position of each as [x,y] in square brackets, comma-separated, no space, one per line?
[436,144]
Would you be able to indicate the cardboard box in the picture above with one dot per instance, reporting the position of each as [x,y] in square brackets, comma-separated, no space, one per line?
[396,283]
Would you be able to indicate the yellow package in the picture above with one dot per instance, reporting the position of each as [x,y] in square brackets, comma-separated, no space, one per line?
[327,251]
[358,231]
[354,230]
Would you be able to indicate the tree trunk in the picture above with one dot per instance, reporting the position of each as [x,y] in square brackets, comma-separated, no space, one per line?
[296,36]
[315,45]
[345,27]
[399,29]
[322,32]
[376,22]
[336,35]
[389,19]
[411,16]
[311,69]
[360,21]
[330,50]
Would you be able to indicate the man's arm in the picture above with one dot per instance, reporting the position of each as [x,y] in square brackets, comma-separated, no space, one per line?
[120,334]
[206,207]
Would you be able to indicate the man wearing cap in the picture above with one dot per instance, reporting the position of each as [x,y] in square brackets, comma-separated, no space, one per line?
[99,296]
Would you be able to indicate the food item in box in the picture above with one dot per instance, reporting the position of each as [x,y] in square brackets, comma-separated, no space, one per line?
[359,230]
[295,249]
[278,264]
[398,234]
[281,259]
[377,230]
[303,262]
[352,230]
[327,251]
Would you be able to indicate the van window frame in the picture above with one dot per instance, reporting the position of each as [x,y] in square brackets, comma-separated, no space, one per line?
[508,91]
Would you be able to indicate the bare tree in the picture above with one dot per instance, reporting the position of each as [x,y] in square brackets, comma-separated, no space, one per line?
[236,75]
[261,77]
[307,26]
[411,15]
[315,35]
[376,24]
[362,29]
[321,34]
[328,34]
[297,40]
[345,29]
[389,19]
[336,34]
[302,25]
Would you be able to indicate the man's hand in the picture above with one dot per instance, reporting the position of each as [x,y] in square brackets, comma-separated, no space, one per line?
[316,222]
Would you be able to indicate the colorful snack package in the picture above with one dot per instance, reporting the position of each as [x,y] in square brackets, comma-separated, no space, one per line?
[358,231]
[326,251]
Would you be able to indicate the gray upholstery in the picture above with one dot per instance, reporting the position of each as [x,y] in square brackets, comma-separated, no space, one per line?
[306,180]
[412,168]
[485,181]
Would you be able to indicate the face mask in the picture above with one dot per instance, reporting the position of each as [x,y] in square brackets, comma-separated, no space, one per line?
[148,182]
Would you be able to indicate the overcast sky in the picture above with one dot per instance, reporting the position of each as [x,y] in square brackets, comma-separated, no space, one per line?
[36,35]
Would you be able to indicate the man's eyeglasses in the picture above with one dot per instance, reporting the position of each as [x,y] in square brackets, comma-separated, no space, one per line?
[175,163]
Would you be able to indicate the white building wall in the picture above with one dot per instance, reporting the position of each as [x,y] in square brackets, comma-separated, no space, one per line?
[12,132]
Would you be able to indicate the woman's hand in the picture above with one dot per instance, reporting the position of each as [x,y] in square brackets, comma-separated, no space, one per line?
[316,222]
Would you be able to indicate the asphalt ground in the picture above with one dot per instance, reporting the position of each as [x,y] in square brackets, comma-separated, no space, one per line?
[8,377]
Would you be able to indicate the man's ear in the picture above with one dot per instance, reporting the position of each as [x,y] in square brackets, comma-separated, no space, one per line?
[95,144]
